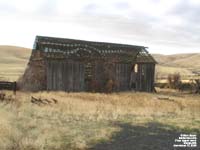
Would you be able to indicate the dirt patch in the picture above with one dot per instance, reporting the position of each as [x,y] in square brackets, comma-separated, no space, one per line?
[152,136]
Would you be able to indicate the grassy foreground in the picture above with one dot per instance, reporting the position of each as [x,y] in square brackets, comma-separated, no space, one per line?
[118,121]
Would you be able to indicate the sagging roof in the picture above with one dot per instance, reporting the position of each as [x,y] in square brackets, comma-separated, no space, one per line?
[71,46]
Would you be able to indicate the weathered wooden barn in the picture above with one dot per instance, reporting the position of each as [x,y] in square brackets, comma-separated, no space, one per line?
[77,65]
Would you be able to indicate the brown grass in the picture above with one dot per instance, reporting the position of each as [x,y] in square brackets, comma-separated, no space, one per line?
[92,120]
[81,120]
[13,61]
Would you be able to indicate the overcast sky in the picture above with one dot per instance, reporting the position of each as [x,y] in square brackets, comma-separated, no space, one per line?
[165,26]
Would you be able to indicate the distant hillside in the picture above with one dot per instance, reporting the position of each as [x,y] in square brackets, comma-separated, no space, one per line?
[185,64]
[179,60]
[13,61]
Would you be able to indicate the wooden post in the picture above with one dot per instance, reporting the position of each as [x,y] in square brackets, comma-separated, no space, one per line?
[14,87]
[197,86]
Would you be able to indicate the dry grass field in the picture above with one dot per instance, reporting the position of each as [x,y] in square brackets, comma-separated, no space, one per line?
[94,121]
[119,121]
[13,61]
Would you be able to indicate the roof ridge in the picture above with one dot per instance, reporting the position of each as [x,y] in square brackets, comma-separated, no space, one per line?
[94,42]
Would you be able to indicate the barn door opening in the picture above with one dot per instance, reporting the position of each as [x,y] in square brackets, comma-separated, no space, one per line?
[133,77]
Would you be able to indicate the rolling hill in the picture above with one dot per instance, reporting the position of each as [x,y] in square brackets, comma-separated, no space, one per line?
[190,61]
[185,64]
[13,61]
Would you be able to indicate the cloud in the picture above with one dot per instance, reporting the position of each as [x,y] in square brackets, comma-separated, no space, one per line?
[160,24]
[122,5]
[6,9]
[187,10]
[47,8]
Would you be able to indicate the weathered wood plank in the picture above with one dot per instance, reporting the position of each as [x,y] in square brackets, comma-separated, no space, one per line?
[69,76]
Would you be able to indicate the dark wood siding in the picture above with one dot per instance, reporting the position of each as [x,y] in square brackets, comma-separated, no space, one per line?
[69,76]
[65,75]
[99,76]
[118,73]
[145,77]
[122,75]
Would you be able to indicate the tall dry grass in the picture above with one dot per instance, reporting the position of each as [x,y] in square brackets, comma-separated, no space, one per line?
[80,120]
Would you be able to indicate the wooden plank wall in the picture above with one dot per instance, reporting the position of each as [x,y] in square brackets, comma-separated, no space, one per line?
[99,76]
[70,76]
[119,73]
[145,77]
[122,76]
[65,75]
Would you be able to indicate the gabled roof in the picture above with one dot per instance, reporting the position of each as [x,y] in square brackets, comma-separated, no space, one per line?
[70,46]
[56,40]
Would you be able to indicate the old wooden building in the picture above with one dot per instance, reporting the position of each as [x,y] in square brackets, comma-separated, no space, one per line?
[77,65]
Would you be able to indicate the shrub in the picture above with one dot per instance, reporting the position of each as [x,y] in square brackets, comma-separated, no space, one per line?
[174,80]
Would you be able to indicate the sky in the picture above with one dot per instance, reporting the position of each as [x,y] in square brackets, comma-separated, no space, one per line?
[165,26]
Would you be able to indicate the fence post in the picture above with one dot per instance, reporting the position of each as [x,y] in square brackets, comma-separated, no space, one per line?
[14,87]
